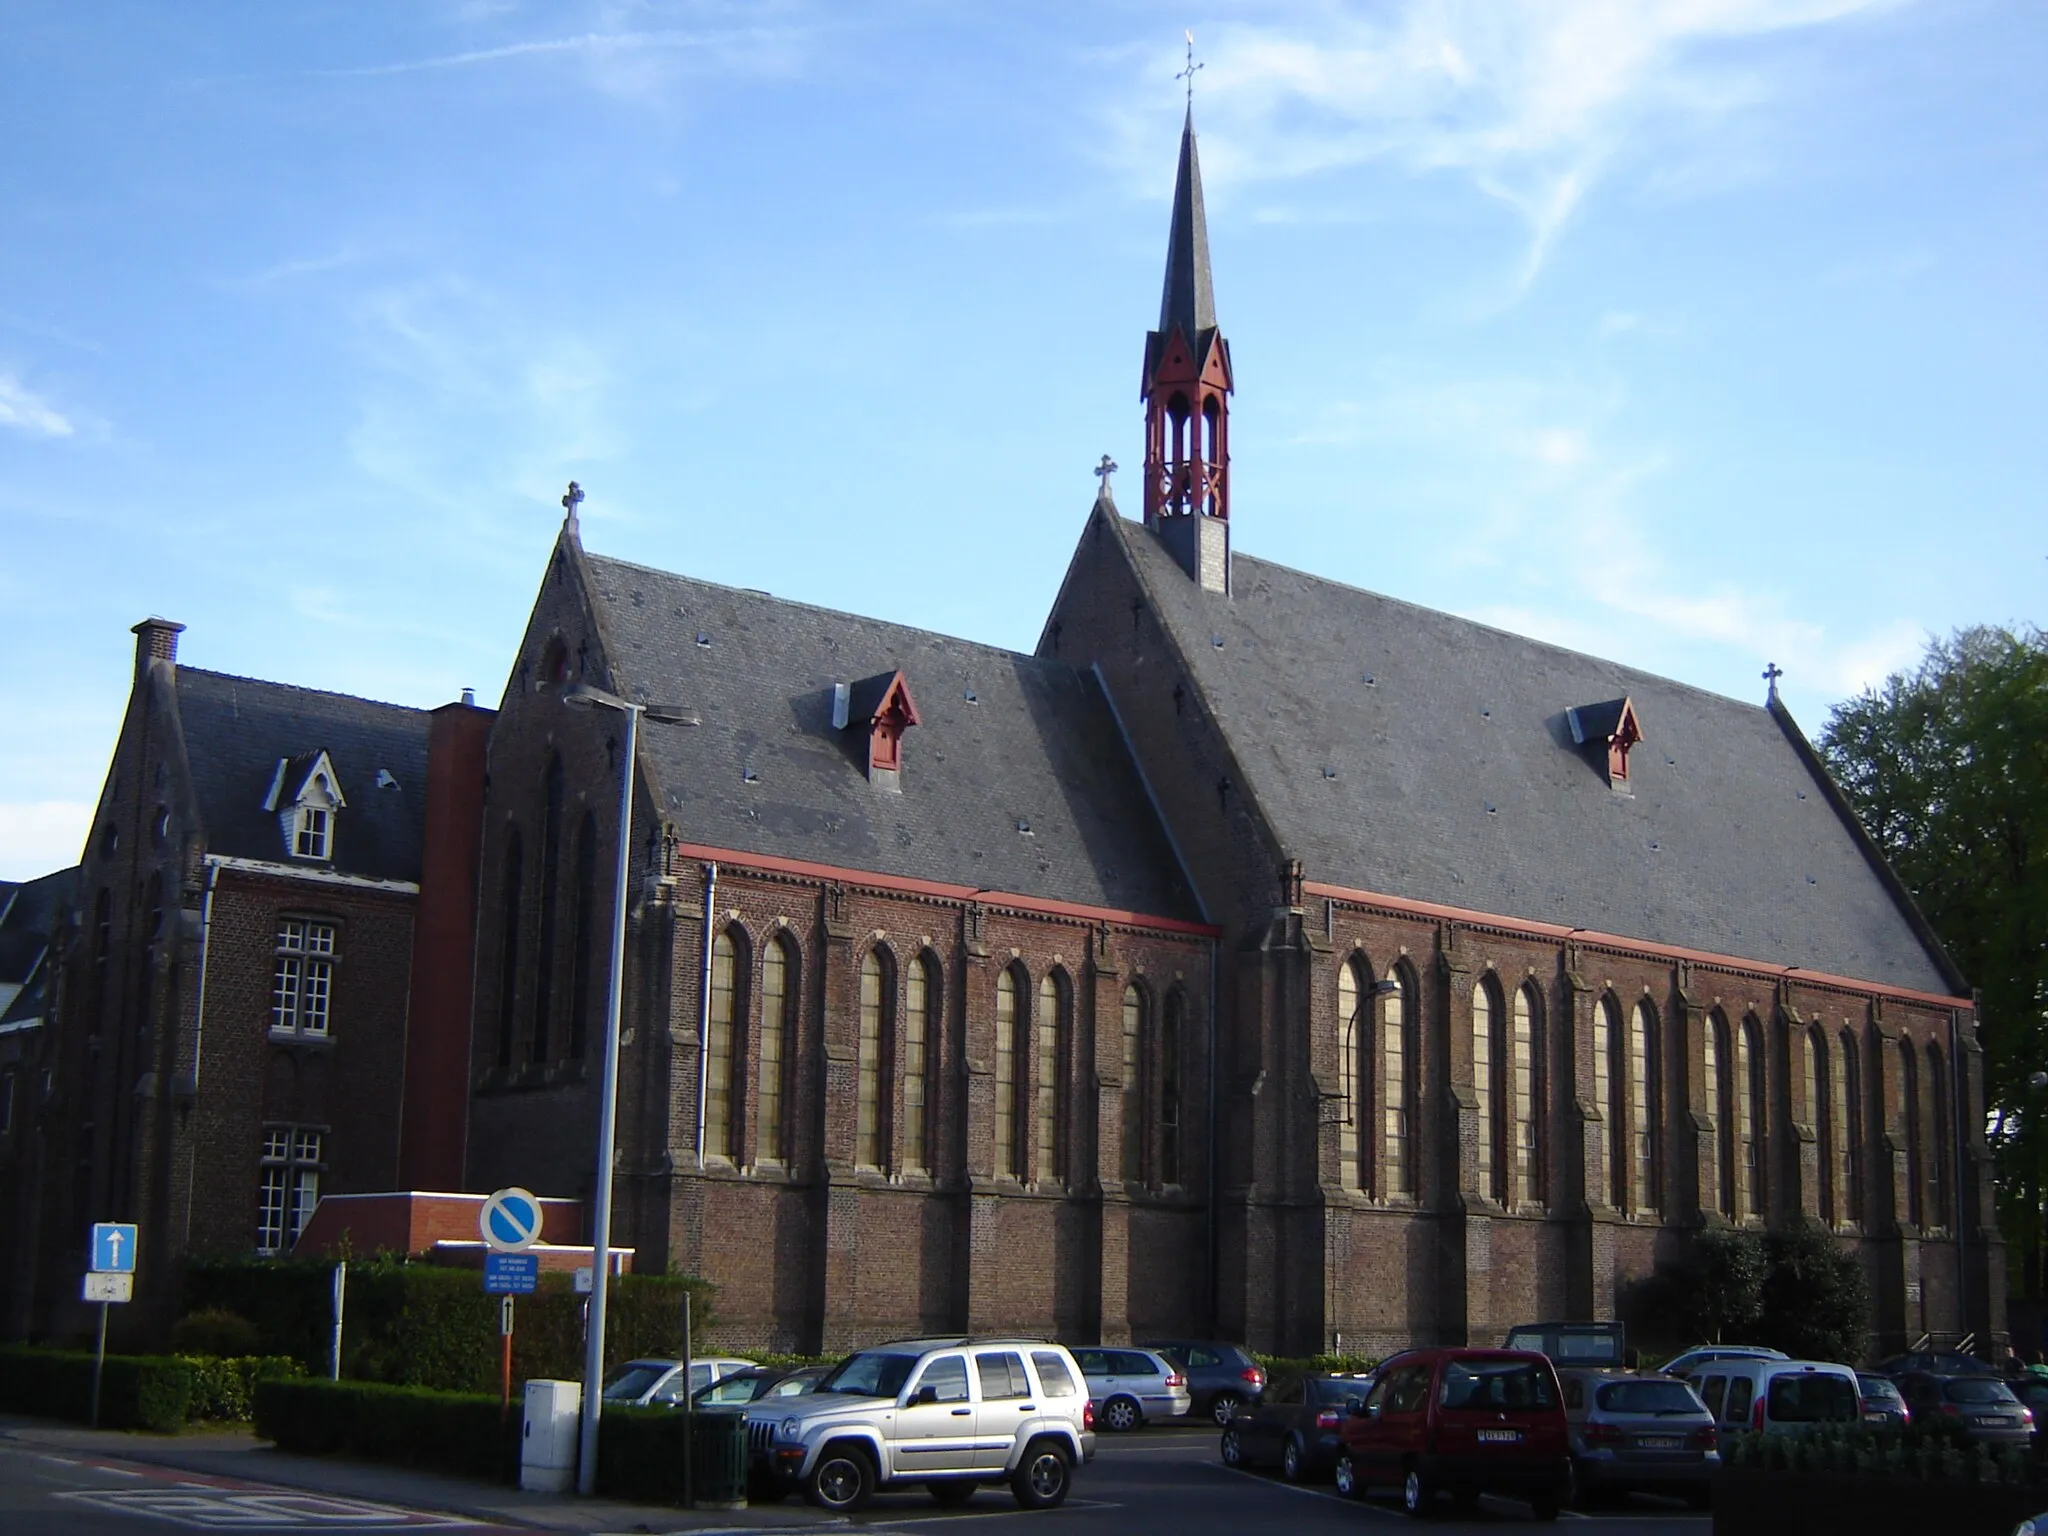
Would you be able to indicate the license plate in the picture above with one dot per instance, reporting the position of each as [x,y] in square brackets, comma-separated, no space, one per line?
[1658,1443]
[1875,1418]
[1995,1420]
[1499,1436]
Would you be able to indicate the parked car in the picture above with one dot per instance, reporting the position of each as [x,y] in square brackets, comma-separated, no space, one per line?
[1881,1401]
[1132,1386]
[2032,1390]
[950,1414]
[1778,1396]
[1600,1344]
[1463,1422]
[661,1384]
[1689,1363]
[1222,1378]
[1638,1431]
[1983,1406]
[1934,1362]
[1297,1426]
[743,1387]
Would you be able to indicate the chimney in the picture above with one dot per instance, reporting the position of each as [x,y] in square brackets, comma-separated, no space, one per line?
[156,640]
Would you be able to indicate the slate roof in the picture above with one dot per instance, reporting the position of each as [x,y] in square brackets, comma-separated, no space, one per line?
[236,729]
[1004,740]
[1187,299]
[1456,780]
[29,915]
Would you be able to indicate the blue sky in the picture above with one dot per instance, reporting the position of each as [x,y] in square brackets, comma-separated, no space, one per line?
[1695,333]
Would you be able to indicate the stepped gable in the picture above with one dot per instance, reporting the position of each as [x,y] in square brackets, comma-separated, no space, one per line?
[1411,753]
[1014,777]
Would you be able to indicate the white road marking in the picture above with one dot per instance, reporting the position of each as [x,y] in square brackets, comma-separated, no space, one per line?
[212,1509]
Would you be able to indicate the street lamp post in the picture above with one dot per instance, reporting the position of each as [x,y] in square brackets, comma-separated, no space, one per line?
[583,696]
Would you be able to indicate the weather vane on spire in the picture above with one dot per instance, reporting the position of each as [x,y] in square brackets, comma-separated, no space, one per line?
[1188,74]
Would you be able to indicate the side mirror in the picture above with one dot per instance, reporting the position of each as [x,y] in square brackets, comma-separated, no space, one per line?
[924,1395]
[1354,1406]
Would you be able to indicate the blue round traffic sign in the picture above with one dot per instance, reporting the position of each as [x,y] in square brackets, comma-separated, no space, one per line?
[510,1221]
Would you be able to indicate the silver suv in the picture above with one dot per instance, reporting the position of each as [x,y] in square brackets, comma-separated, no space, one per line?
[952,1414]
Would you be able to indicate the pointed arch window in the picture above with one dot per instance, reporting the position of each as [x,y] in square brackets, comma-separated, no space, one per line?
[1852,1125]
[1645,1110]
[582,937]
[877,995]
[1134,1089]
[1721,1098]
[550,879]
[1485,1023]
[1048,1100]
[921,995]
[1397,1089]
[1939,1178]
[1909,1109]
[1170,1047]
[780,984]
[508,952]
[1606,1080]
[718,1045]
[1355,1085]
[1527,1088]
[1819,1112]
[1008,990]
[1749,1117]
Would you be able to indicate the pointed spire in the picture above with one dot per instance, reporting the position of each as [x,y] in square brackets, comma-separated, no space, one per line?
[1187,300]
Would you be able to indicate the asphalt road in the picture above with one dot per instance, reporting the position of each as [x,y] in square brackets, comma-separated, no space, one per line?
[1165,1480]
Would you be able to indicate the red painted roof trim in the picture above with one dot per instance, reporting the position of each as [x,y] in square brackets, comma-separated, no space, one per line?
[944,891]
[1558,931]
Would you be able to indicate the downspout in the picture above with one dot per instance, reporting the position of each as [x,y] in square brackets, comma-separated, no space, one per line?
[704,1006]
[1215,1288]
[198,1042]
[1956,1152]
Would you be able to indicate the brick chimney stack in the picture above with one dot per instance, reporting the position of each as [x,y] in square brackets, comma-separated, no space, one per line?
[156,640]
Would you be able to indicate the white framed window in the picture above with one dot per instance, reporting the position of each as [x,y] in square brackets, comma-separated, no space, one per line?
[302,986]
[309,838]
[288,1184]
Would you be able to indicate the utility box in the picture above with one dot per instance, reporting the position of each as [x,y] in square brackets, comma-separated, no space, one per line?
[547,1446]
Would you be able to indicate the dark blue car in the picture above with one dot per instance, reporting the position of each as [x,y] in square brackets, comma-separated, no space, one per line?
[1222,1378]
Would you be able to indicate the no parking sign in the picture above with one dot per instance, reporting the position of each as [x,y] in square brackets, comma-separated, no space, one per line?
[510,1221]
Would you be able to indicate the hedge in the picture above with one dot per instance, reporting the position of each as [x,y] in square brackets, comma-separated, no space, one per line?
[136,1391]
[224,1389]
[1926,1453]
[429,1325]
[460,1432]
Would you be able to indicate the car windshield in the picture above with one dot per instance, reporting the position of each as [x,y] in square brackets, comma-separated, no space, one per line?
[1491,1384]
[1877,1387]
[869,1375]
[1648,1397]
[1978,1389]
[1818,1397]
[633,1379]
[1336,1391]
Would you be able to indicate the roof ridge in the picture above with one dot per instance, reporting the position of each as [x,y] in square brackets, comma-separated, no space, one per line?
[1496,629]
[840,613]
[325,693]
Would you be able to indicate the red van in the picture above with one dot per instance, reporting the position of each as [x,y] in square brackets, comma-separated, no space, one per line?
[1461,1422]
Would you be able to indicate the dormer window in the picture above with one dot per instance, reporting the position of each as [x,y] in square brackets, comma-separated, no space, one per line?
[1610,728]
[882,708]
[305,795]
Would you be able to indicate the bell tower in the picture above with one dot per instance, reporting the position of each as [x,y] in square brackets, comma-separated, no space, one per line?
[1186,391]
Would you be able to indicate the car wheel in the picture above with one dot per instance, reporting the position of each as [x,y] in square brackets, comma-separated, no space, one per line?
[950,1492]
[1223,1407]
[1544,1506]
[843,1480]
[1042,1480]
[1122,1415]
[1417,1497]
[1700,1496]
[1349,1484]
[1292,1464]
[1232,1449]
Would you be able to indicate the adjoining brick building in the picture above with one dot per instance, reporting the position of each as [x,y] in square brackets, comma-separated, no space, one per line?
[244,1011]
[1261,954]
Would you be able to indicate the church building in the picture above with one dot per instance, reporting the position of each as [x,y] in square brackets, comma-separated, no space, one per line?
[1262,956]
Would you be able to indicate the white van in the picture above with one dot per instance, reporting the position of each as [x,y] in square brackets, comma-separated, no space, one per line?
[1778,1396]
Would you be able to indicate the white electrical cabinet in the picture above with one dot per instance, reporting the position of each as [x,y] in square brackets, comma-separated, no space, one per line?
[547,1448]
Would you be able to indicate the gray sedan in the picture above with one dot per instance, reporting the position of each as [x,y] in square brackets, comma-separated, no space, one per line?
[1132,1386]
[1631,1432]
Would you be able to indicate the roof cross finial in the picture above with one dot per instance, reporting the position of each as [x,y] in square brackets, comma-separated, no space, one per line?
[1103,471]
[1771,674]
[1188,74]
[571,500]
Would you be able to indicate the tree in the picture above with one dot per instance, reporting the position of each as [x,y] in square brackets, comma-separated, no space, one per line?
[1815,1298]
[1946,766]
[1712,1295]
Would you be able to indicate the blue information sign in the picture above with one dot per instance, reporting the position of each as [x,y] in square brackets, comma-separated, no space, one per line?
[511,1274]
[113,1247]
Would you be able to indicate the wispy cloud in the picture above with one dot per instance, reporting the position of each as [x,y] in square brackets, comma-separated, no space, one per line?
[1535,102]
[26,412]
[748,40]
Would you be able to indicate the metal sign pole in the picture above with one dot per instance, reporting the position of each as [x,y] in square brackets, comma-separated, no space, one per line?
[505,1359]
[99,1364]
[334,1344]
[689,1416]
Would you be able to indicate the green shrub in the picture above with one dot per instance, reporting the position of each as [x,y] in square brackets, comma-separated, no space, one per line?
[456,1432]
[136,1391]
[1925,1453]
[224,1389]
[640,1454]
[214,1331]
[1282,1370]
